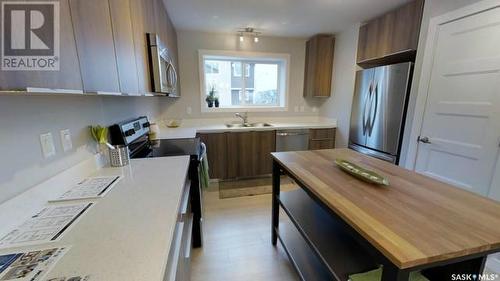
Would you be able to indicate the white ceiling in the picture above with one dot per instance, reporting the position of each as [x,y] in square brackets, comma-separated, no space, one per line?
[291,18]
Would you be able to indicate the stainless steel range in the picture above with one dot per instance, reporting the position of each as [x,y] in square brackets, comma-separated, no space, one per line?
[379,110]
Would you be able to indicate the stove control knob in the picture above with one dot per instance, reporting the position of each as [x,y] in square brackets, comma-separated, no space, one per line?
[129,133]
[146,125]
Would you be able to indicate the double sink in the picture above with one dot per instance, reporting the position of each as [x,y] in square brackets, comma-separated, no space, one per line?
[248,125]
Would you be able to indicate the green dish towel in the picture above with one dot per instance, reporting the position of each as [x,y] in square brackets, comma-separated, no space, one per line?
[203,171]
[376,275]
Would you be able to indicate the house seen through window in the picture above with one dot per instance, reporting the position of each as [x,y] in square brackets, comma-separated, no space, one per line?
[243,82]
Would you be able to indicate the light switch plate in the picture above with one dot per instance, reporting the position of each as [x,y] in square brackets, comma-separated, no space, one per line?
[47,142]
[66,142]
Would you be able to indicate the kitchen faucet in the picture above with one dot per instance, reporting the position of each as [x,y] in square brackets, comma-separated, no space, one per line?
[244,117]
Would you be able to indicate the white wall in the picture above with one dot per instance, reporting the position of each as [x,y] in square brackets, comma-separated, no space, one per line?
[23,119]
[189,42]
[344,70]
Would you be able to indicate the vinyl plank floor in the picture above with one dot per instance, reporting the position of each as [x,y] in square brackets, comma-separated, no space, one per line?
[237,242]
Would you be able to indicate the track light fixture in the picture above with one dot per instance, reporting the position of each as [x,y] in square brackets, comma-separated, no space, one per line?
[248,32]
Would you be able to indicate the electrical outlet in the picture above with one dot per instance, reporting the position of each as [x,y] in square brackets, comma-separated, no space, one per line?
[189,110]
[315,109]
[47,142]
[66,142]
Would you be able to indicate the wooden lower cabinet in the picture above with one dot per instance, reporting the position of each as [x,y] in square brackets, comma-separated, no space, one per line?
[216,144]
[265,143]
[249,153]
[239,154]
[321,139]
[233,155]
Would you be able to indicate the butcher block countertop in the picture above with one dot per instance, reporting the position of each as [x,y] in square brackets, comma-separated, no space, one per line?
[414,221]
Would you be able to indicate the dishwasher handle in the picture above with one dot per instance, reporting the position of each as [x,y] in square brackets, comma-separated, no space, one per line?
[284,134]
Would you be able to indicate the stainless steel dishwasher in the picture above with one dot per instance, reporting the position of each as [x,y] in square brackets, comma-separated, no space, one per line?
[292,140]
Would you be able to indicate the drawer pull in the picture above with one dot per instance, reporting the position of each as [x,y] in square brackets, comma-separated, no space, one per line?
[321,139]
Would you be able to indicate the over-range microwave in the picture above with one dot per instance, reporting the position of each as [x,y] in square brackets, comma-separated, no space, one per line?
[161,66]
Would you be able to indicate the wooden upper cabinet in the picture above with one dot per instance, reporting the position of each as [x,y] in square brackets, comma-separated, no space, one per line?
[143,21]
[319,66]
[68,76]
[124,46]
[391,38]
[94,41]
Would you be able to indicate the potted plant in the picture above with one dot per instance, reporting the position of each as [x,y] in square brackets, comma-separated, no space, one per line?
[211,98]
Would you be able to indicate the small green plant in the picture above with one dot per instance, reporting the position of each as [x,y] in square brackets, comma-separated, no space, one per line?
[211,97]
[99,134]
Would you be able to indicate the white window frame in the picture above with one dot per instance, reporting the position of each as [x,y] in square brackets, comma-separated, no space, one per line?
[283,73]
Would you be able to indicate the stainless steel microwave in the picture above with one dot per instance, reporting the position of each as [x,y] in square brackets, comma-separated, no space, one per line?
[161,66]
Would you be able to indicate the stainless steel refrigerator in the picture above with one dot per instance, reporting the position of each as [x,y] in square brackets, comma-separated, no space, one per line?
[379,110]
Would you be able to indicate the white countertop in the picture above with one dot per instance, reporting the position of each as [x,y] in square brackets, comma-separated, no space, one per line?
[127,234]
[190,127]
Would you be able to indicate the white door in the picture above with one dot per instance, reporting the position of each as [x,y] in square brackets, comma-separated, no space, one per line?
[461,128]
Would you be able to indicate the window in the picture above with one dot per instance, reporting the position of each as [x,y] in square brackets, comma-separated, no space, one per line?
[212,67]
[241,80]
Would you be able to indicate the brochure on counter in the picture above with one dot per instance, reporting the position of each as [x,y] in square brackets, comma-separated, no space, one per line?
[29,265]
[73,278]
[47,225]
[90,188]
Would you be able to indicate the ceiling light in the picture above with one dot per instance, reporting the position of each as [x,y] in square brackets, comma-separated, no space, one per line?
[248,32]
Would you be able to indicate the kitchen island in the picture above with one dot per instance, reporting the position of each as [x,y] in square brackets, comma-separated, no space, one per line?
[337,225]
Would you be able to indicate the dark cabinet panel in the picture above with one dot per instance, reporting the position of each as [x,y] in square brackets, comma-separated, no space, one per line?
[321,139]
[94,41]
[319,66]
[124,46]
[249,153]
[391,38]
[68,76]
[265,143]
[406,28]
[241,155]
[217,154]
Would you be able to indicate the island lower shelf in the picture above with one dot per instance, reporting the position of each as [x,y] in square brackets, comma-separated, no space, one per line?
[318,246]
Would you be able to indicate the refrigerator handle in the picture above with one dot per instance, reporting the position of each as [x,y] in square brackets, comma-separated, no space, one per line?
[372,119]
[365,120]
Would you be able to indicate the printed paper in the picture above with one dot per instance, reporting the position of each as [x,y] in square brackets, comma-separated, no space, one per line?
[47,225]
[29,265]
[90,188]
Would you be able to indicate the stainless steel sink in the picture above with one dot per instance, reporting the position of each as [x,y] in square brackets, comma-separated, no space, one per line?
[248,125]
[259,125]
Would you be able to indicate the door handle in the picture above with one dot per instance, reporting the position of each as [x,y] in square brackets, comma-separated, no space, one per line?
[424,140]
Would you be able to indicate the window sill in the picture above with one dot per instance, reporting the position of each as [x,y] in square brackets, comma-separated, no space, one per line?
[244,109]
